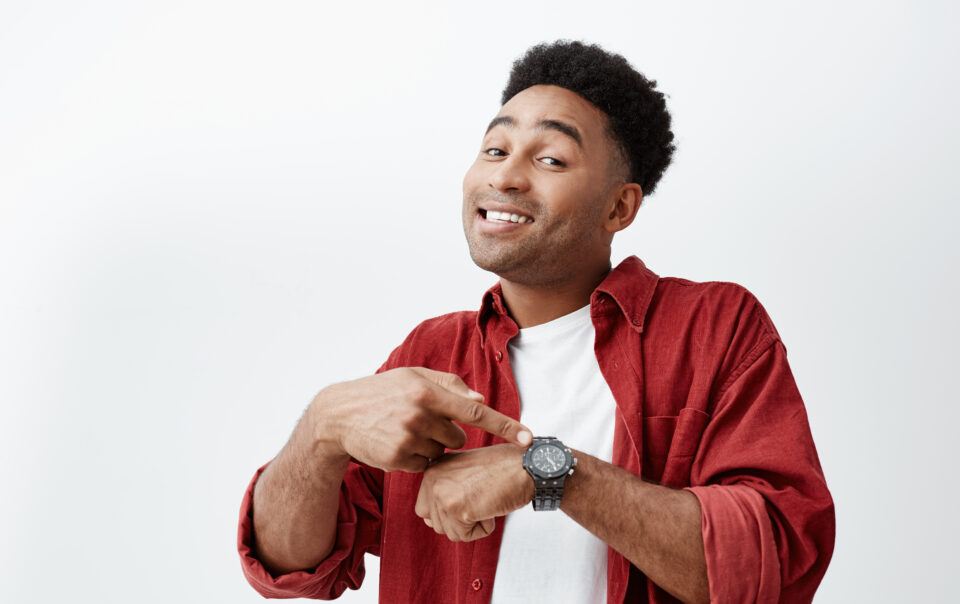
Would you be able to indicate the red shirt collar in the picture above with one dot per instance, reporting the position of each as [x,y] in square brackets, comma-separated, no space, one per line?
[629,287]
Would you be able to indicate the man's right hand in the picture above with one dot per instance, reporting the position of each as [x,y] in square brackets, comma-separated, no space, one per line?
[403,418]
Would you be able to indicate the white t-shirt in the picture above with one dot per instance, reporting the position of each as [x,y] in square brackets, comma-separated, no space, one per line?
[546,556]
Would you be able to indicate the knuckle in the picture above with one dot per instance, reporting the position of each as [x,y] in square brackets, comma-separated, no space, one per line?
[418,391]
[445,379]
[440,497]
[413,421]
[475,412]
[394,462]
[408,442]
[402,373]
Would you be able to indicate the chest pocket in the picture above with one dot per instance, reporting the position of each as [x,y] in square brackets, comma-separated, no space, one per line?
[669,446]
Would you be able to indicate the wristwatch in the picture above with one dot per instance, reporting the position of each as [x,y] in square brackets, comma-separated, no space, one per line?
[549,462]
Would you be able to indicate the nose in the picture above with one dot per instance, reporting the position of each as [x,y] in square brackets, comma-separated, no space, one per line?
[510,176]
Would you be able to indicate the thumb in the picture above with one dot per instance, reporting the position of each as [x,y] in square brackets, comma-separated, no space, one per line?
[482,529]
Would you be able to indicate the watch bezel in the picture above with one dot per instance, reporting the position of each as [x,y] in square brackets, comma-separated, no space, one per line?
[567,455]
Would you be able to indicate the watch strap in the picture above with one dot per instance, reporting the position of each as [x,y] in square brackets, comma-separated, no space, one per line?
[547,499]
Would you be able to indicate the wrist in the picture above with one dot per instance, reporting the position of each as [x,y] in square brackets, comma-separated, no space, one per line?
[322,428]
[528,489]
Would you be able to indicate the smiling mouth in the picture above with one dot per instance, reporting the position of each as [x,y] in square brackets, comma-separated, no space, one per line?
[494,216]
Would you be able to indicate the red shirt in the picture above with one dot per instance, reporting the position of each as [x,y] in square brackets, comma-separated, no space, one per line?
[705,401]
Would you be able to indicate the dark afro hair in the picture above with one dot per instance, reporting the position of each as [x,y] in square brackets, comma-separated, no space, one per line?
[637,113]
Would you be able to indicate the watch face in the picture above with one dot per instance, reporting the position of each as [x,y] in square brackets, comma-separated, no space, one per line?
[549,460]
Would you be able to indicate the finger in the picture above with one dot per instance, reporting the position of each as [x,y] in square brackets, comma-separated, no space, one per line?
[448,381]
[422,508]
[436,518]
[481,529]
[428,448]
[478,415]
[447,433]
[413,464]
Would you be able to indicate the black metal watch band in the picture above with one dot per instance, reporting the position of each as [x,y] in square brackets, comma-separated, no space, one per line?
[547,499]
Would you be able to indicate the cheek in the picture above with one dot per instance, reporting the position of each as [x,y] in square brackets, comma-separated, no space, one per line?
[472,178]
[563,202]
[574,211]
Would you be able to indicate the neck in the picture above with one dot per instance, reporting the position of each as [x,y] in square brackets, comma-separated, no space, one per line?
[531,305]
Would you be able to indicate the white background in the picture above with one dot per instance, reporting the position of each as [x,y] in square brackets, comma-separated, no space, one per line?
[209,211]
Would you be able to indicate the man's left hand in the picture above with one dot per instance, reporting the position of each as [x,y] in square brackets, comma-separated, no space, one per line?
[463,491]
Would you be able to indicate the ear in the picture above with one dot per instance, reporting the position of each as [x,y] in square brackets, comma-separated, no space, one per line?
[624,207]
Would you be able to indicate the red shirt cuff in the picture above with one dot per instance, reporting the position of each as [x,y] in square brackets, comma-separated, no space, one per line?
[320,582]
[738,542]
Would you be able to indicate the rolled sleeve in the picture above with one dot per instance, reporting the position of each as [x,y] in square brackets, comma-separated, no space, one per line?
[736,515]
[358,532]
[767,515]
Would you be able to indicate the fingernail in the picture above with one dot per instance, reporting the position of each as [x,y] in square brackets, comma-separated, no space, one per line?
[476,395]
[524,437]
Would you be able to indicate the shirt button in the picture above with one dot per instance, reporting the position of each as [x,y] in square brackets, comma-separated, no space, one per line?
[636,322]
[476,585]
[499,357]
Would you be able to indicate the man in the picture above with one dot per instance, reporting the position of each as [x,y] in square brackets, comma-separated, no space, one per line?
[669,429]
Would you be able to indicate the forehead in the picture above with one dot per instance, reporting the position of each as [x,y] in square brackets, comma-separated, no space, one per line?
[543,102]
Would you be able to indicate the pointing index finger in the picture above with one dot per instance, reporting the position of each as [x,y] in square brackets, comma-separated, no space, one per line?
[472,413]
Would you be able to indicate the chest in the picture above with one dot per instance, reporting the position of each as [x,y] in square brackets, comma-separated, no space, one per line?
[563,393]
[660,401]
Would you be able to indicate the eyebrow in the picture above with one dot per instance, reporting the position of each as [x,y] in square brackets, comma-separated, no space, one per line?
[562,127]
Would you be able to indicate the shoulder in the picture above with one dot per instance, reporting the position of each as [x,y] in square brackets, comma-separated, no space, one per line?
[717,291]
[434,341]
[719,326]
[443,326]
[712,305]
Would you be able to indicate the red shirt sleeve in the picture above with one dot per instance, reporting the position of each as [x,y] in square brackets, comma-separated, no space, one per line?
[767,516]
[358,532]
[359,518]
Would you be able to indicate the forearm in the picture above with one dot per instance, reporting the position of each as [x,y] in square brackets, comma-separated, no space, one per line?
[295,500]
[656,528]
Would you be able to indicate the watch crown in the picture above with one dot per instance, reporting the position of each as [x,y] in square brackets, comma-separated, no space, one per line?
[574,461]
[570,473]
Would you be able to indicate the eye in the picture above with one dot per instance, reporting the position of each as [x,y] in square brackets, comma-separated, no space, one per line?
[493,151]
[552,161]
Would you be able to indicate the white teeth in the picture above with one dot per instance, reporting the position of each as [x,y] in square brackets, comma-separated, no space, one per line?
[506,217]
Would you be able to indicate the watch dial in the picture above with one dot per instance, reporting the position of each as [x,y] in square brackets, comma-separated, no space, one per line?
[549,459]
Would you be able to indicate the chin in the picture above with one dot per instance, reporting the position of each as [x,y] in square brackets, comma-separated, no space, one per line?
[523,271]
[494,261]
[487,261]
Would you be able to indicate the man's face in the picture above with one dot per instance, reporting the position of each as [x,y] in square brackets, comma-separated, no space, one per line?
[547,159]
